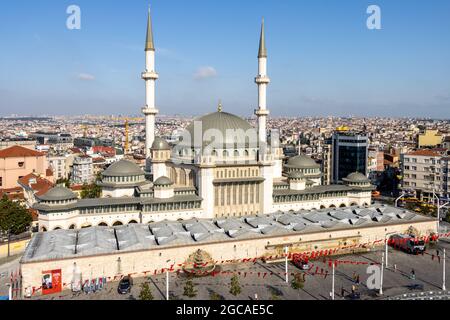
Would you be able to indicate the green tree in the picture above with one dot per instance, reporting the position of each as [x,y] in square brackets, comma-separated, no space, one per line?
[90,191]
[189,289]
[235,287]
[146,292]
[14,218]
[298,282]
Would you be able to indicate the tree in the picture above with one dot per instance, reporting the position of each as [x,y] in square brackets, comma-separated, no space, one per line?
[189,289]
[14,218]
[235,288]
[146,292]
[65,182]
[298,282]
[90,191]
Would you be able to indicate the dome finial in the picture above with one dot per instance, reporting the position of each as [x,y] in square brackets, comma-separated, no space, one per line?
[219,107]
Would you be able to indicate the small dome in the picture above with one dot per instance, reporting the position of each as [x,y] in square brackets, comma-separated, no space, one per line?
[163,181]
[296,175]
[160,144]
[302,162]
[58,194]
[356,177]
[123,168]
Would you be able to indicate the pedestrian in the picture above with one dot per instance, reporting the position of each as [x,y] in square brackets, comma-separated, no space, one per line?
[357,279]
[413,274]
[395,267]
[342,292]
[353,288]
[437,252]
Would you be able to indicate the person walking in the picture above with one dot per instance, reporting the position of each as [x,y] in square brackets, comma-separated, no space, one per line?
[357,279]
[342,292]
[413,274]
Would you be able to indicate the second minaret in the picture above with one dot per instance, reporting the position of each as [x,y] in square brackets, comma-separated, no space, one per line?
[150,76]
[262,80]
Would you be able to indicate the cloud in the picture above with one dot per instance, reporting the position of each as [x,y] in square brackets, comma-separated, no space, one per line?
[85,77]
[205,73]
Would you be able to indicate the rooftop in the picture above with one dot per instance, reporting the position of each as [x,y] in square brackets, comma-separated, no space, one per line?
[92,241]
[18,152]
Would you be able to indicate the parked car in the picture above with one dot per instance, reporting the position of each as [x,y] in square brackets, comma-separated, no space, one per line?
[302,264]
[125,285]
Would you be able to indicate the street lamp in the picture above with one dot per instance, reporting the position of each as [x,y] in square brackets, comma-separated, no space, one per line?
[381,275]
[401,196]
[286,263]
[332,284]
[386,240]
[167,282]
[443,273]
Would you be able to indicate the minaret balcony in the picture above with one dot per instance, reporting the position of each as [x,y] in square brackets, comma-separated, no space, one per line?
[150,75]
[149,111]
[262,112]
[262,80]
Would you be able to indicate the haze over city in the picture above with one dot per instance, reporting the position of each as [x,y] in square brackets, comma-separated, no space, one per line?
[323,59]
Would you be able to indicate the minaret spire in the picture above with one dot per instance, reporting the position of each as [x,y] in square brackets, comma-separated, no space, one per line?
[262,53]
[149,39]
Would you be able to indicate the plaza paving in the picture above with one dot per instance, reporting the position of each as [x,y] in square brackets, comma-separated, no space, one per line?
[273,286]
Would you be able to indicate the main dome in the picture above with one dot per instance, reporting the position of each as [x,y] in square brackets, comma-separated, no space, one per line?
[123,168]
[213,123]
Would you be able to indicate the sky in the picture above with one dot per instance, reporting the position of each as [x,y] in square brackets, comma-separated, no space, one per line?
[322,58]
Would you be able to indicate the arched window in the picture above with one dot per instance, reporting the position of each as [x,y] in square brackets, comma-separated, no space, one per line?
[225,153]
[117,223]
[132,222]
[102,224]
[72,226]
[236,153]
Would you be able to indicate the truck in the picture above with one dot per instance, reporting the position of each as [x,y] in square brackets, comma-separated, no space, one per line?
[407,243]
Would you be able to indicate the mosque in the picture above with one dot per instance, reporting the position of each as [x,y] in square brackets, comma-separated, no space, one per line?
[217,198]
[221,167]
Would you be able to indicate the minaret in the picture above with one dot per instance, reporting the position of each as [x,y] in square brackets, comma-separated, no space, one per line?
[150,76]
[262,80]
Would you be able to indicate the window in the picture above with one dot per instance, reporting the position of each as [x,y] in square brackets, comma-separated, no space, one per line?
[1,181]
[21,164]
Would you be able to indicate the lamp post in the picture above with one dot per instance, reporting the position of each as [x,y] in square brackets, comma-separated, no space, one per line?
[401,196]
[443,273]
[167,282]
[386,240]
[332,284]
[286,263]
[381,275]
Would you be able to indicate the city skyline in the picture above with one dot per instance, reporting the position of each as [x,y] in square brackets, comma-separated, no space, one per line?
[398,71]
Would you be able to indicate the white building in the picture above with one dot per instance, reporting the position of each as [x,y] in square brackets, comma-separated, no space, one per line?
[82,170]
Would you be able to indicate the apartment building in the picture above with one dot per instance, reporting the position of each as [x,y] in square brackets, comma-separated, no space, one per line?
[425,172]
[82,170]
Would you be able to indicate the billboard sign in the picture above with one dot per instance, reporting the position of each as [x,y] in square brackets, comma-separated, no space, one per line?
[51,281]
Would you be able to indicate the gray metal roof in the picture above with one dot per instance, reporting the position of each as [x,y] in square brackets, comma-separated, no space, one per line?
[302,161]
[58,194]
[219,122]
[160,144]
[108,240]
[163,181]
[123,168]
[356,177]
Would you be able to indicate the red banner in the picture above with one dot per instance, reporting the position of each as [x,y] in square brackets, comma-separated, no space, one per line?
[51,281]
